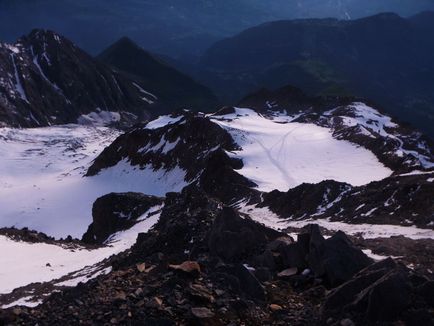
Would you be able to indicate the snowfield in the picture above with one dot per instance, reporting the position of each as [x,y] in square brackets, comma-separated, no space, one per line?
[24,263]
[284,155]
[42,185]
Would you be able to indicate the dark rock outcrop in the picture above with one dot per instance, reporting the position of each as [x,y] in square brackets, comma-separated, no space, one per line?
[335,260]
[381,202]
[116,212]
[196,145]
[232,237]
[384,292]
[304,200]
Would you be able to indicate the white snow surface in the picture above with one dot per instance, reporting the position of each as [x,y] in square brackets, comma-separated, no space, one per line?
[148,95]
[371,121]
[24,263]
[367,231]
[282,155]
[163,121]
[42,185]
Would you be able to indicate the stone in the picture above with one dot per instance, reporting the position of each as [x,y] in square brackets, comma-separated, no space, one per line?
[275,307]
[347,322]
[202,313]
[336,259]
[141,267]
[249,284]
[188,267]
[288,272]
[155,302]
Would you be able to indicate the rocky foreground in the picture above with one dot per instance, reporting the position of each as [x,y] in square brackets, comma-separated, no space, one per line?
[207,264]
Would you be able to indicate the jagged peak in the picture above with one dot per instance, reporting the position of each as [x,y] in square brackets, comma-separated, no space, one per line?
[40,34]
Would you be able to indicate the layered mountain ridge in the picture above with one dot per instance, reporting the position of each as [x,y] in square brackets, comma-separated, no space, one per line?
[367,57]
[46,80]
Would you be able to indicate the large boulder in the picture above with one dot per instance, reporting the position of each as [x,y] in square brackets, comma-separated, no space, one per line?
[335,260]
[116,212]
[383,292]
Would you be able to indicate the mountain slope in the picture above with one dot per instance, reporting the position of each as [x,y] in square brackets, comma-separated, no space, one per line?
[173,88]
[368,57]
[46,79]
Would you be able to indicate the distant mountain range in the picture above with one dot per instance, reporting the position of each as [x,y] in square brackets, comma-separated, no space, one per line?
[45,79]
[173,27]
[385,58]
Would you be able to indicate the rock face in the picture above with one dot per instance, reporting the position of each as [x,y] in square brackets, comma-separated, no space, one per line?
[382,202]
[335,259]
[116,212]
[45,79]
[305,199]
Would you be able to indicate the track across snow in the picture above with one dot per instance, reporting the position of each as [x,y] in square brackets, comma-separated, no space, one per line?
[282,155]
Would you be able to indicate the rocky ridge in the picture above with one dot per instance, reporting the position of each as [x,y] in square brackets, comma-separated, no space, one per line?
[204,263]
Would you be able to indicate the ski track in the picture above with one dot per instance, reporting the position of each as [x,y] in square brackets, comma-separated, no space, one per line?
[284,155]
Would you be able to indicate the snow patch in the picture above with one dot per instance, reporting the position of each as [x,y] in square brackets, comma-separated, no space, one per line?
[18,86]
[367,231]
[99,118]
[146,99]
[163,121]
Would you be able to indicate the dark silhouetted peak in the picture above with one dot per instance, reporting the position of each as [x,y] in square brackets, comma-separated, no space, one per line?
[174,88]
[121,49]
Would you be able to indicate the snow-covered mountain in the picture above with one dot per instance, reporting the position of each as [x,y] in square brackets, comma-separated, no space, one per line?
[213,191]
